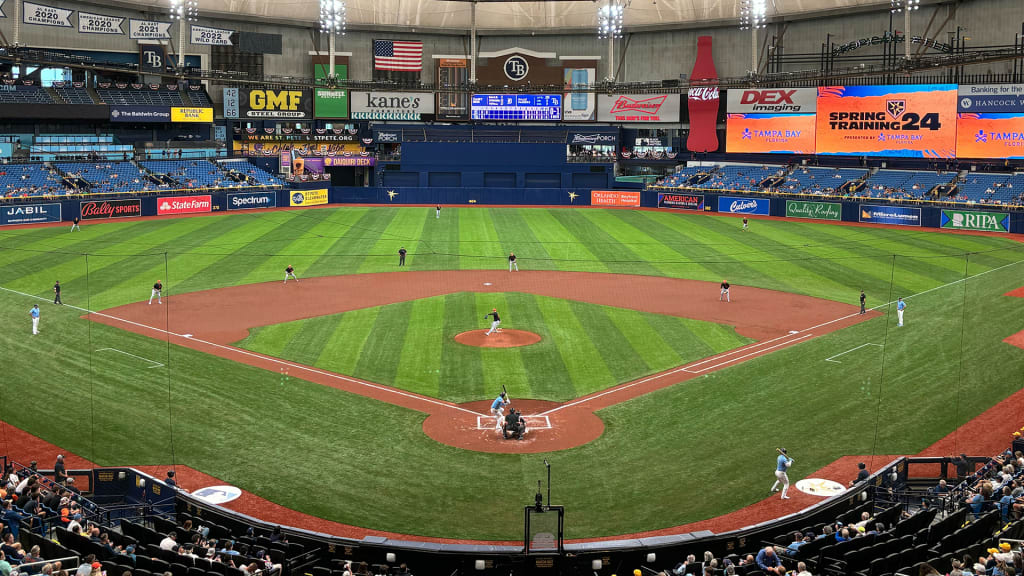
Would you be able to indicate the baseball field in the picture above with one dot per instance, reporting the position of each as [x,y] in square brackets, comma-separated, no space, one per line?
[333,395]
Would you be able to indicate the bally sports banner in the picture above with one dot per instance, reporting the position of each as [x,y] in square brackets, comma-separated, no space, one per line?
[107,209]
[614,198]
[910,121]
[183,205]
[772,133]
[990,135]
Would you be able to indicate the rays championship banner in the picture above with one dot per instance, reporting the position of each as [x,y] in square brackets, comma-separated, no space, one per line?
[909,121]
[990,135]
[772,133]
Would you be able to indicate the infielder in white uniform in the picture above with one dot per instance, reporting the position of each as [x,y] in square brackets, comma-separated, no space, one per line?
[498,410]
[724,294]
[782,464]
[495,323]
[34,312]
[512,262]
[156,293]
[289,272]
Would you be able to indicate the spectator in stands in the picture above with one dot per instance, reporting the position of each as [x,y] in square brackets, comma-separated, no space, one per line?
[59,472]
[977,501]
[862,474]
[75,525]
[229,548]
[32,556]
[129,552]
[85,568]
[170,479]
[12,518]
[275,534]
[1006,503]
[12,549]
[843,535]
[5,566]
[170,542]
[769,562]
[801,569]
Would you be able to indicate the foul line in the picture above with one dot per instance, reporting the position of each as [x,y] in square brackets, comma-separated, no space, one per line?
[786,343]
[830,358]
[261,356]
[154,363]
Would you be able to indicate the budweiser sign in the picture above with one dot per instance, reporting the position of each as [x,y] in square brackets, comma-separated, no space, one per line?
[110,209]
[183,205]
[647,105]
[638,107]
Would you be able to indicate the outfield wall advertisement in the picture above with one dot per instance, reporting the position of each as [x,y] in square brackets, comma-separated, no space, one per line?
[614,198]
[30,214]
[184,205]
[316,197]
[899,215]
[106,209]
[990,135]
[814,210]
[683,201]
[978,221]
[771,133]
[909,121]
[732,205]
[250,200]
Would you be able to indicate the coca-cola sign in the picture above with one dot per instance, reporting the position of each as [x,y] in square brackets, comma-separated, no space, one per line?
[702,101]
[703,93]
[638,108]
[105,209]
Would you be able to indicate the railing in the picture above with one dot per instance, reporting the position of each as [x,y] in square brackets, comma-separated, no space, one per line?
[137,193]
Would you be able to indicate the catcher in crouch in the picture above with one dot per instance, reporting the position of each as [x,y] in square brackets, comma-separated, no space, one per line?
[514,426]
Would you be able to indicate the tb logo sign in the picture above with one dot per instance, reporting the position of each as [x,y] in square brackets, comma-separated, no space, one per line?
[516,68]
[152,58]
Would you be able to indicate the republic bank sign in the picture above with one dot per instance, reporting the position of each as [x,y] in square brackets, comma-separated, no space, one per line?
[391,105]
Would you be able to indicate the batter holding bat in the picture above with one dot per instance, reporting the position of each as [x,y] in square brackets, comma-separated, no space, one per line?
[495,323]
[782,464]
[498,410]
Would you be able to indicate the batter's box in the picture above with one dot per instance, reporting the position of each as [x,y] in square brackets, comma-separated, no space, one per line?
[532,422]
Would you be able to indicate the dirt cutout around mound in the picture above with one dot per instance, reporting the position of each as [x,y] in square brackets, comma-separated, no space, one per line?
[1018,338]
[210,320]
[500,339]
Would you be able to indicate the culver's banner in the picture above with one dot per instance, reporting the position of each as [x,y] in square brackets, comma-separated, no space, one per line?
[981,98]
[683,201]
[898,215]
[284,104]
[42,15]
[99,24]
[148,29]
[390,105]
[250,200]
[29,214]
[638,108]
[735,205]
[778,100]
[971,220]
[211,36]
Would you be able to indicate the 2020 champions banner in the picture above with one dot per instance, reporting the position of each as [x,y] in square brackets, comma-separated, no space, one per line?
[910,121]
[771,133]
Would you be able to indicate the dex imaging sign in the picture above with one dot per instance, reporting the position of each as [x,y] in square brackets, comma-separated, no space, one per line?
[30,214]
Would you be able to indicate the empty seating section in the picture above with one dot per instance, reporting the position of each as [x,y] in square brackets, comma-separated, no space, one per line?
[189,173]
[140,97]
[18,180]
[739,177]
[72,95]
[108,178]
[24,95]
[683,174]
[49,147]
[815,180]
[262,177]
[991,188]
[199,98]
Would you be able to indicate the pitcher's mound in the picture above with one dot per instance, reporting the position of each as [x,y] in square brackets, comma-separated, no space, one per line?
[503,339]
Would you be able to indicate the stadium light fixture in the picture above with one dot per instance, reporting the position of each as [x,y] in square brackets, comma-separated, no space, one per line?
[333,16]
[185,10]
[753,14]
[609,20]
[896,6]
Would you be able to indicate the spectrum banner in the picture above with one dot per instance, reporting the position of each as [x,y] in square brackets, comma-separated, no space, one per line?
[990,135]
[250,200]
[106,209]
[308,197]
[614,198]
[735,205]
[183,205]
[771,133]
[30,214]
[899,215]
[970,220]
[683,201]
[909,121]
[814,210]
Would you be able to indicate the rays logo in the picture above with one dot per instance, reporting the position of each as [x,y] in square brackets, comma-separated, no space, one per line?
[980,137]
[516,68]
[896,108]
[746,134]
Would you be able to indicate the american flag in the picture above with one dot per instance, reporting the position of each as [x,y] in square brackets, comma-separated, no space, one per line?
[402,56]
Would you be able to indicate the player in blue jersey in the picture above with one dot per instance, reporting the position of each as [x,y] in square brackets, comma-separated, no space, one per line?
[498,410]
[900,307]
[782,464]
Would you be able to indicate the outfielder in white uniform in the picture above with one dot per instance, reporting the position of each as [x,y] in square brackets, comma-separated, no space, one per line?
[495,323]
[724,294]
[782,464]
[498,410]
[156,293]
[35,319]
[900,307]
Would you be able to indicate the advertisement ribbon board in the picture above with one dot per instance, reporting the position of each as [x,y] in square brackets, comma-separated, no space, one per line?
[971,220]
[814,210]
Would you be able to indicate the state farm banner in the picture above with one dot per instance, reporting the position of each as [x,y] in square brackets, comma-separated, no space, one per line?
[106,209]
[283,103]
[99,24]
[42,15]
[148,29]
[390,105]
[183,205]
[211,36]
[614,198]
[779,100]
[638,108]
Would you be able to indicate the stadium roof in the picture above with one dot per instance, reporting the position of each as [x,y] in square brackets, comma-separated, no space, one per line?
[541,16]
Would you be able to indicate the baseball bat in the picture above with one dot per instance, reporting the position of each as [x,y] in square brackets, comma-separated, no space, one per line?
[788,457]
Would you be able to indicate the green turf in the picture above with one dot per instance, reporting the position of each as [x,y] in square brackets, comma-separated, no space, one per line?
[682,454]
[583,348]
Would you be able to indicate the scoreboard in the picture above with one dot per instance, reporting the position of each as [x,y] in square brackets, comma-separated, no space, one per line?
[544,107]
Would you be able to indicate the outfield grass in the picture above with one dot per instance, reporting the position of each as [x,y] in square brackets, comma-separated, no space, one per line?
[681,454]
[583,348]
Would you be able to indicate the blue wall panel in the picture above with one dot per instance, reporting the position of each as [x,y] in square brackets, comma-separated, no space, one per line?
[445,179]
[543,180]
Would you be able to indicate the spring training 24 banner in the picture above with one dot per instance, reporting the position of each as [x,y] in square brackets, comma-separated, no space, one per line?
[909,121]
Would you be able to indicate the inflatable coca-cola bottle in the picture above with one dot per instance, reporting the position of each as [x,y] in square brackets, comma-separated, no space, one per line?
[702,100]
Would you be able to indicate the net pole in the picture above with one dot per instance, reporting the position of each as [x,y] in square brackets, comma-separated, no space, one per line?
[960,367]
[167,361]
[881,369]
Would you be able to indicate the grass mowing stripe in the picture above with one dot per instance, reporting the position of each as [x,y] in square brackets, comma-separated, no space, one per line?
[345,345]
[419,363]
[622,361]
[503,365]
[478,240]
[644,339]
[308,344]
[517,236]
[379,360]
[271,341]
[617,255]
[586,368]
[548,376]
[403,230]
[668,260]
[351,251]
[563,246]
[717,337]
[462,373]
[440,238]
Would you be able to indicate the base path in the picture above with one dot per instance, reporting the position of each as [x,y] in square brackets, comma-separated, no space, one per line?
[210,320]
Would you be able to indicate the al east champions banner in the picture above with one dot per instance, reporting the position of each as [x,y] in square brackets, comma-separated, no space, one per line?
[773,133]
[910,121]
[614,198]
[990,135]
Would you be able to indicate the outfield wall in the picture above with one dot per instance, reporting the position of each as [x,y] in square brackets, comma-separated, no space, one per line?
[808,208]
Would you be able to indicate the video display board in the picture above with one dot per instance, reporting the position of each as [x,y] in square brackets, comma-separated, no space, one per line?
[910,121]
[770,133]
[516,107]
[995,135]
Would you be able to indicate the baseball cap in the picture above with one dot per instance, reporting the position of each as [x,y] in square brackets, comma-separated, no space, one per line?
[97,565]
[1005,546]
